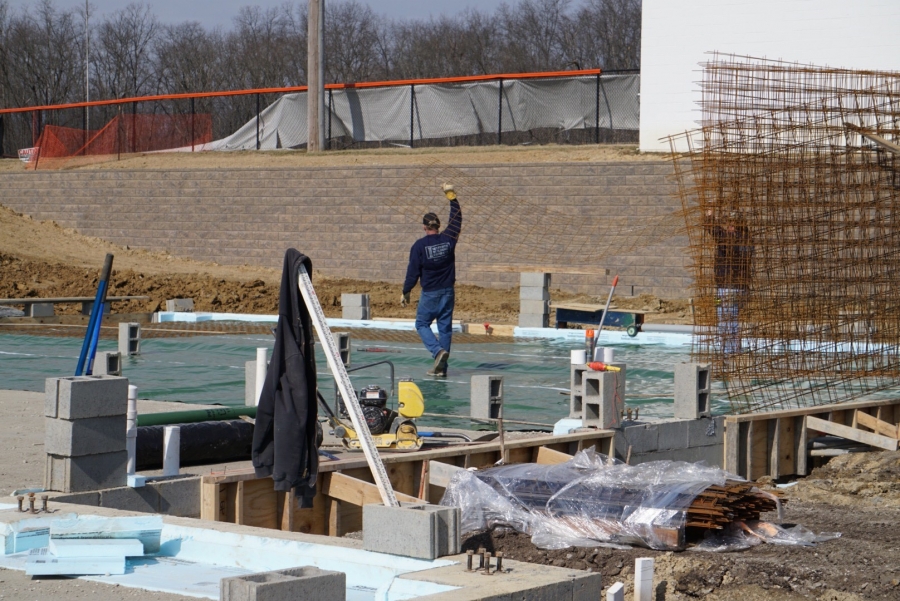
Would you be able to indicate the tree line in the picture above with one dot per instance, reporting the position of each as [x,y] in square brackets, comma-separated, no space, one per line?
[44,48]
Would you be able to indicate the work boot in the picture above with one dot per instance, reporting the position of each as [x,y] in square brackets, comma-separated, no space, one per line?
[440,364]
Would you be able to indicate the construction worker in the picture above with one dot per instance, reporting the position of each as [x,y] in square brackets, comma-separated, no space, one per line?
[732,271]
[432,263]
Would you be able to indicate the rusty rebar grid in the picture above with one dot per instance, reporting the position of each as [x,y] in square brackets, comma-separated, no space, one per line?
[792,215]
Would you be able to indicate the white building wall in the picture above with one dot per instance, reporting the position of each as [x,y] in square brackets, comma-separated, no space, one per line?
[677,36]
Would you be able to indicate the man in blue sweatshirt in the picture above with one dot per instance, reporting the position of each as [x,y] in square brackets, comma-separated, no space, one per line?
[432,263]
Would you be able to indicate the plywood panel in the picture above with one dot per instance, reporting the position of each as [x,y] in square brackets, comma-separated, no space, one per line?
[259,504]
[782,459]
[758,449]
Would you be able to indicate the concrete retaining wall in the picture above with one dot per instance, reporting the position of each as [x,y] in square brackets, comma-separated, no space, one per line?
[342,219]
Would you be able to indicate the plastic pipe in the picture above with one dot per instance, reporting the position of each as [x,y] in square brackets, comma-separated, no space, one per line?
[262,366]
[198,415]
[131,430]
[96,315]
[171,451]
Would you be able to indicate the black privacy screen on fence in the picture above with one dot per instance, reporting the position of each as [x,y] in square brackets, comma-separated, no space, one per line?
[556,108]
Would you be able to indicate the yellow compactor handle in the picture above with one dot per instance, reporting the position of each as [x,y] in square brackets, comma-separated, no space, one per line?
[410,399]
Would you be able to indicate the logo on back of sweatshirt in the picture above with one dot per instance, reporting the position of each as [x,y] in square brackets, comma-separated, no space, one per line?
[437,251]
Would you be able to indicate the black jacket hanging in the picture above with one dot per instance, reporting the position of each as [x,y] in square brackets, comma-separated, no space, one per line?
[284,439]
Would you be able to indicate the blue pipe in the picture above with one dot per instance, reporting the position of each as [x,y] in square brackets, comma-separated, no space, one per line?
[95,319]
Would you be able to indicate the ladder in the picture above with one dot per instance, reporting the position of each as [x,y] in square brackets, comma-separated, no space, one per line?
[333,356]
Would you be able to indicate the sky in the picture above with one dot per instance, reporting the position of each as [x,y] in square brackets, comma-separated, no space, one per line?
[212,13]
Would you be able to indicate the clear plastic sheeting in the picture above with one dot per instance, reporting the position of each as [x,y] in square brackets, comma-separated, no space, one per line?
[743,535]
[591,500]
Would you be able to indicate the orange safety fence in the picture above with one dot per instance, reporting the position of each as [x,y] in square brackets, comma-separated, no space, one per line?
[60,147]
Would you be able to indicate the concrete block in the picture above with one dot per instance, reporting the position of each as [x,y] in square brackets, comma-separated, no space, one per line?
[86,473]
[179,497]
[448,528]
[706,431]
[144,499]
[74,438]
[587,587]
[91,499]
[576,391]
[486,397]
[692,390]
[672,435]
[602,398]
[343,343]
[129,338]
[356,313]
[533,293]
[534,280]
[643,579]
[530,320]
[409,530]
[250,383]
[88,306]
[354,300]
[306,582]
[107,363]
[641,439]
[82,397]
[180,305]
[536,307]
[39,310]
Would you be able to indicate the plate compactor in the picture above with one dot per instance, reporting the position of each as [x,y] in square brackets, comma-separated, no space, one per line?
[390,429]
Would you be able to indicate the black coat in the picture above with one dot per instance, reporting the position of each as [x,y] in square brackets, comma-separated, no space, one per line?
[284,439]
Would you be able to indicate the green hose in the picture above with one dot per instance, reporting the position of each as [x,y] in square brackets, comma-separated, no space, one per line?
[214,413]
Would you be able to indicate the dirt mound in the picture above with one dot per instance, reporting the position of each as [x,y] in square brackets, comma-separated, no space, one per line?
[855,479]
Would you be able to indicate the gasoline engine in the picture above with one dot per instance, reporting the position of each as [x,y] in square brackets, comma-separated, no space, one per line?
[390,429]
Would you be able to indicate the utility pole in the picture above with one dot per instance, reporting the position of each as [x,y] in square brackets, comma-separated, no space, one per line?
[315,69]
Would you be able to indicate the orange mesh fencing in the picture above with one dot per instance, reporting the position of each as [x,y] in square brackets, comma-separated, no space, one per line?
[61,147]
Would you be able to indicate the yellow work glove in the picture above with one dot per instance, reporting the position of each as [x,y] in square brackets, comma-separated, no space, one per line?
[404,299]
[449,192]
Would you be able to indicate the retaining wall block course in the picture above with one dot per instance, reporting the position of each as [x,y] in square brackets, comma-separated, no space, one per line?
[179,497]
[86,473]
[84,436]
[143,499]
[672,434]
[698,428]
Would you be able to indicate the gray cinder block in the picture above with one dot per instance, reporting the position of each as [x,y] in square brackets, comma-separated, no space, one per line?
[39,310]
[692,389]
[129,338]
[107,363]
[586,587]
[537,307]
[179,497]
[531,320]
[486,397]
[411,530]
[534,280]
[354,300]
[576,391]
[88,306]
[356,313]
[706,431]
[143,499]
[672,435]
[81,397]
[641,439]
[603,397]
[533,293]
[305,582]
[86,473]
[180,305]
[90,436]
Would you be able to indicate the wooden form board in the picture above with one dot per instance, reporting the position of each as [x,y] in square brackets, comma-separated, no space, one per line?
[346,485]
[775,443]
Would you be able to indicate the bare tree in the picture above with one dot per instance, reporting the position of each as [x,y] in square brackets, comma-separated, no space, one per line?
[352,34]
[123,53]
[607,34]
[533,35]
[189,59]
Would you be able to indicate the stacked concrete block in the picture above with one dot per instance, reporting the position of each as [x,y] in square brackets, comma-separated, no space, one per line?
[129,338]
[692,389]
[39,310]
[603,397]
[306,582]
[180,305]
[250,383]
[576,391]
[343,342]
[534,300]
[355,306]
[85,433]
[412,530]
[486,397]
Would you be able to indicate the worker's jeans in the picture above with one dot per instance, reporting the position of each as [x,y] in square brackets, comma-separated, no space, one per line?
[727,313]
[436,305]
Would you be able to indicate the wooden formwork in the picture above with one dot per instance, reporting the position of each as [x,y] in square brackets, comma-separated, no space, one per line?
[776,443]
[344,486]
